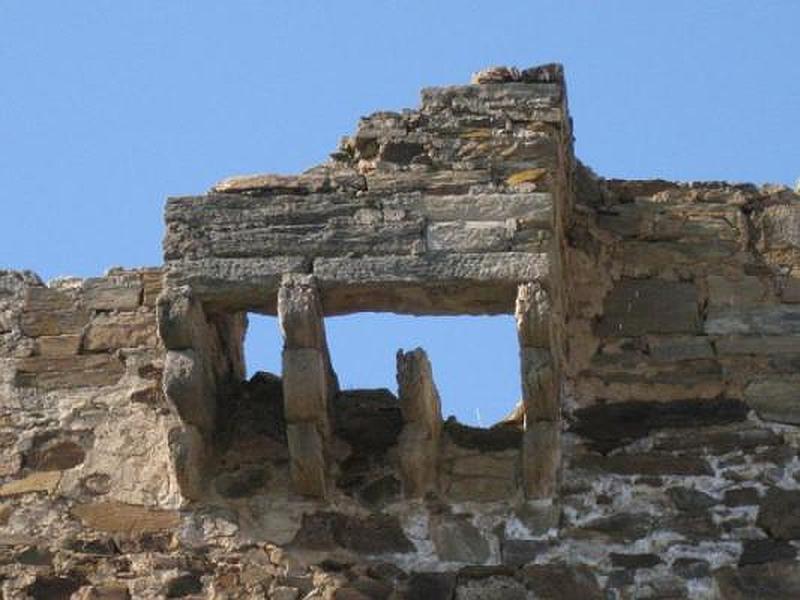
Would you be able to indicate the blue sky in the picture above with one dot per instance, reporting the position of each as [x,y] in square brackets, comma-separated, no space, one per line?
[107,107]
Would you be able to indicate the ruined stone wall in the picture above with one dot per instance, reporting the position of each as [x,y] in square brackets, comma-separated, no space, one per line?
[82,402]
[681,385]
[654,453]
[439,210]
[86,435]
[686,292]
[447,209]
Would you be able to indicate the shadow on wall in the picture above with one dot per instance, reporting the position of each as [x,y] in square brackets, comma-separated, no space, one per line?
[475,359]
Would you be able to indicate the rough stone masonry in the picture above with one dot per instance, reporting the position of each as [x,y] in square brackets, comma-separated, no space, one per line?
[654,452]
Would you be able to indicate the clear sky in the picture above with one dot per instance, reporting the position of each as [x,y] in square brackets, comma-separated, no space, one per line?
[107,107]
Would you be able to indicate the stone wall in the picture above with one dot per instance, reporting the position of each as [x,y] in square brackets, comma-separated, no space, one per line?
[439,210]
[86,435]
[686,292]
[447,209]
[654,453]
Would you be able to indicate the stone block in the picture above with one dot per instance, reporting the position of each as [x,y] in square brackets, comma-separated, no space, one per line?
[496,465]
[45,587]
[58,345]
[7,321]
[516,267]
[770,581]
[419,398]
[456,298]
[533,208]
[56,322]
[650,464]
[758,320]
[50,372]
[690,222]
[541,459]
[300,313]
[538,517]
[561,581]
[44,481]
[624,220]
[305,391]
[688,380]
[10,463]
[307,460]
[781,227]
[691,568]
[115,292]
[524,239]
[152,284]
[188,450]
[45,299]
[516,553]
[129,519]
[759,345]
[180,319]
[525,176]
[189,387]
[649,306]
[373,534]
[370,421]
[618,528]
[495,439]
[187,216]
[791,290]
[689,499]
[14,284]
[479,476]
[539,386]
[541,90]
[775,399]
[430,586]
[114,331]
[491,588]
[479,489]
[270,184]
[418,456]
[401,151]
[779,514]
[726,293]
[746,496]
[104,592]
[644,258]
[458,540]
[233,283]
[756,552]
[339,236]
[634,561]
[532,313]
[468,236]
[678,348]
[431,182]
[56,453]
[614,425]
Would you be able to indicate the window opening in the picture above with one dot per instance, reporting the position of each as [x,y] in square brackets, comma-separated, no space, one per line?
[475,360]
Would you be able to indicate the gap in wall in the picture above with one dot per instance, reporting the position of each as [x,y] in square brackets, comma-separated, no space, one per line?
[475,360]
[262,345]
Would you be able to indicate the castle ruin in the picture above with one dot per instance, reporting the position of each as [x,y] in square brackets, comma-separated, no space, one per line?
[654,453]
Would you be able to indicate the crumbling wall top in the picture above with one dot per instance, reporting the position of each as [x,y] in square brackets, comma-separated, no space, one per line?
[442,209]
